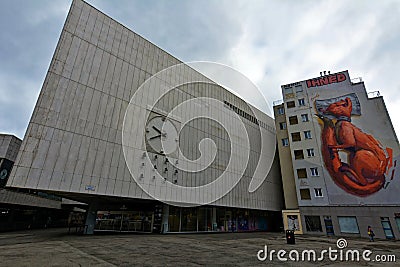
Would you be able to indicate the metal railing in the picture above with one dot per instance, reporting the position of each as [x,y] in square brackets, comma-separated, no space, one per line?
[374,94]
[277,102]
[356,80]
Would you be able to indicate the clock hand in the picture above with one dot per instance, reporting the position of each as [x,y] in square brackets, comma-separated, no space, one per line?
[155,136]
[155,128]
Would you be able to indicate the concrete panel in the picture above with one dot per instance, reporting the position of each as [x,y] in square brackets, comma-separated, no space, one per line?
[17,198]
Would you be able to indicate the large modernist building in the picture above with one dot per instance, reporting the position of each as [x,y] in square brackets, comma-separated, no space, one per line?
[149,143]
[338,154]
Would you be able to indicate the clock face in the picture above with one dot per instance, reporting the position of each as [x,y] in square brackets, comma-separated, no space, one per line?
[161,135]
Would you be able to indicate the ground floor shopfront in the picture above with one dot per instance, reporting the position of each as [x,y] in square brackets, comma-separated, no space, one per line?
[345,221]
[13,217]
[219,219]
[162,218]
[21,210]
[125,221]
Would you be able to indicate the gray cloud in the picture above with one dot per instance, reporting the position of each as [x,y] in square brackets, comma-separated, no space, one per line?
[29,33]
[190,30]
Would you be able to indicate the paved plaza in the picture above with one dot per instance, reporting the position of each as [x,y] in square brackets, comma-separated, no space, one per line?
[55,247]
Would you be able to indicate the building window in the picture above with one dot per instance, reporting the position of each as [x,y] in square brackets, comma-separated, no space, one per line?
[301,173]
[348,224]
[293,120]
[398,222]
[304,117]
[281,111]
[285,142]
[318,192]
[301,102]
[307,134]
[296,137]
[387,228]
[288,90]
[310,152]
[305,194]
[314,172]
[299,88]
[313,223]
[298,154]
[282,125]
[290,104]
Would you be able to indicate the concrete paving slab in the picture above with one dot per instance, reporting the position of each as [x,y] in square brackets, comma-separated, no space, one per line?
[55,247]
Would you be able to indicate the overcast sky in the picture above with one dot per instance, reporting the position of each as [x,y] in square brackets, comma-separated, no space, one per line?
[272,42]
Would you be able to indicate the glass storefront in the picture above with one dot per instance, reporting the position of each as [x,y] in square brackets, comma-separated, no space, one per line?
[205,219]
[220,219]
[189,220]
[174,219]
[130,221]
[193,219]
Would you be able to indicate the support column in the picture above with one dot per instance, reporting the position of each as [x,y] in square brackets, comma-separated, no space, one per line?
[214,219]
[90,219]
[165,218]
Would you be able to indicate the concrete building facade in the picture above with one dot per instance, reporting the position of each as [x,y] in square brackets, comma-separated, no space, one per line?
[101,135]
[9,147]
[19,208]
[338,153]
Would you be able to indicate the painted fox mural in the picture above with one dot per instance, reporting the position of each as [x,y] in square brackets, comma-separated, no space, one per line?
[368,161]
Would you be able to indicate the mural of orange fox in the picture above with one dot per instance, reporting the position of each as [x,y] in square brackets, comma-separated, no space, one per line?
[368,160]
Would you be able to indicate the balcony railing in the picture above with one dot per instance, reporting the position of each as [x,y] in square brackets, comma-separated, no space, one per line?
[356,80]
[374,94]
[277,102]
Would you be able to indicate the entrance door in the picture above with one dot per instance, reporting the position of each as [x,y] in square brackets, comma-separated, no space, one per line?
[329,225]
[387,228]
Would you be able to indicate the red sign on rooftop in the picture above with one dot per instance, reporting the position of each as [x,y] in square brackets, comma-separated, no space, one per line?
[325,80]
